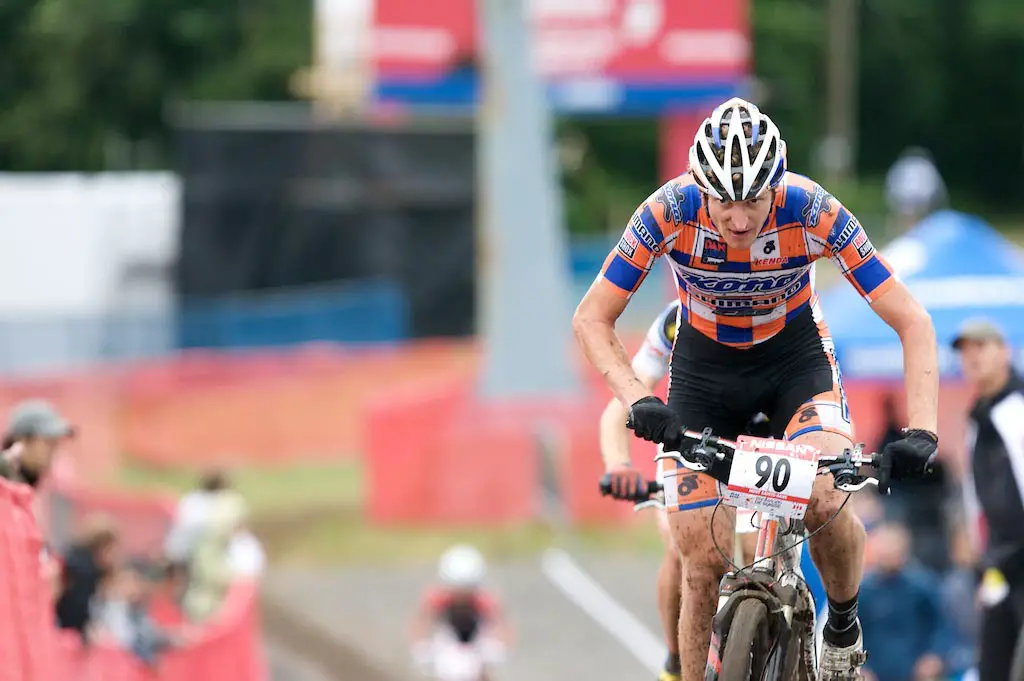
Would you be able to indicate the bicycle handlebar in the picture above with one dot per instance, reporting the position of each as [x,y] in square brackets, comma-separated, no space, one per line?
[653,487]
[845,467]
[645,498]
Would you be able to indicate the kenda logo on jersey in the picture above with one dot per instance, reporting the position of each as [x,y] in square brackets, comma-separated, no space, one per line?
[748,284]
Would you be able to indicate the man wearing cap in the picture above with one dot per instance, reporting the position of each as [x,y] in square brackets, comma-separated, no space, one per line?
[34,431]
[994,487]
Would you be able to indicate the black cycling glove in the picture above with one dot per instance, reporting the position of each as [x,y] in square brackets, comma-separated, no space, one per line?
[913,456]
[624,482]
[652,420]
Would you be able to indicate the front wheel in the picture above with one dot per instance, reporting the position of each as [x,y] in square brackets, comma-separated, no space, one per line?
[748,643]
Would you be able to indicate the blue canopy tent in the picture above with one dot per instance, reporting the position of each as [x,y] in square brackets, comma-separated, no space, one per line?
[958,267]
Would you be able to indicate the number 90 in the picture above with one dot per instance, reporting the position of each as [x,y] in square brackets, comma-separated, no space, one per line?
[779,473]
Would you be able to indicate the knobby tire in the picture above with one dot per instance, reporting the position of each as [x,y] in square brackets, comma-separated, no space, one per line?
[747,644]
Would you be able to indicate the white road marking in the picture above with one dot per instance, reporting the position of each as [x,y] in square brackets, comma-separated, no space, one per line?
[580,588]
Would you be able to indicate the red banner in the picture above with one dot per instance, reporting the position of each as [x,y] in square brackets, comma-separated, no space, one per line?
[623,39]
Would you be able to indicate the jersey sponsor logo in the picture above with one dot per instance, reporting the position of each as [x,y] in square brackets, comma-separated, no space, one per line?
[766,253]
[749,307]
[670,199]
[817,205]
[746,284]
[640,229]
[851,229]
[628,244]
[712,252]
[861,243]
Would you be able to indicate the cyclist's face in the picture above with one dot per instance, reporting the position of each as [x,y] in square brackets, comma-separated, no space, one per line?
[740,222]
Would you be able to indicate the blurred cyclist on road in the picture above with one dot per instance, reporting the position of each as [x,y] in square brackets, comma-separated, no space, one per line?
[459,624]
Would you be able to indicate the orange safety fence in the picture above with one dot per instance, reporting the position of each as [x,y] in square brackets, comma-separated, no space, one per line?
[205,407]
[34,650]
[437,454]
[228,648]
[405,408]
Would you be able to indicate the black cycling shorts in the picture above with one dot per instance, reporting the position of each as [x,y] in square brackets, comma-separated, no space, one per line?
[792,377]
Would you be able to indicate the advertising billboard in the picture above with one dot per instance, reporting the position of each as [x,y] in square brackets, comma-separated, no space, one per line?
[598,56]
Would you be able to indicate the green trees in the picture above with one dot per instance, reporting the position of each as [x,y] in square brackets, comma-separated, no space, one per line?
[943,74]
[85,84]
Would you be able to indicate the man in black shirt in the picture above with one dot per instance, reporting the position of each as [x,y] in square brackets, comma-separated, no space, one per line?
[994,487]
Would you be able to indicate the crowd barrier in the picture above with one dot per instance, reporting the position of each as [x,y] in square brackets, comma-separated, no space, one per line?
[34,650]
[405,408]
[437,454]
[206,407]
[227,648]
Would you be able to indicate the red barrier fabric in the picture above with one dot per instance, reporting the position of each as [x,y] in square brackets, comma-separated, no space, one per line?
[434,451]
[34,650]
[408,410]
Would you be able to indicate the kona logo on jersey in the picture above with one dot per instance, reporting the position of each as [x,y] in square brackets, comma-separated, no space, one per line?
[712,252]
[670,198]
[817,205]
[628,244]
[748,284]
[861,243]
[748,307]
[640,229]
[840,240]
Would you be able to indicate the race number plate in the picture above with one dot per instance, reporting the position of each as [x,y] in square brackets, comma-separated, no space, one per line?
[772,476]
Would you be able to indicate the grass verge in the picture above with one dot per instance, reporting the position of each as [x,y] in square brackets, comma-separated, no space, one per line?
[311,515]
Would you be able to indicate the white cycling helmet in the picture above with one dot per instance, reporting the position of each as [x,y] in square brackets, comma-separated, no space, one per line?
[462,566]
[737,152]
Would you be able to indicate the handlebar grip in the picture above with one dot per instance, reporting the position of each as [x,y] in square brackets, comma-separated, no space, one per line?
[884,472]
[653,487]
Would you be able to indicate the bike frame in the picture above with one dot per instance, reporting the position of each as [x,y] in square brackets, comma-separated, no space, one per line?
[774,578]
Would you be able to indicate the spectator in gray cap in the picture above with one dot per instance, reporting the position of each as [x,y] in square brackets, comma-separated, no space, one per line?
[34,431]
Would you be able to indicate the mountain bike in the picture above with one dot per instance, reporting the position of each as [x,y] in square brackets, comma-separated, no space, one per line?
[764,627]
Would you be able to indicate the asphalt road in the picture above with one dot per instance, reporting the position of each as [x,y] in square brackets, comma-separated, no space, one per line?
[561,618]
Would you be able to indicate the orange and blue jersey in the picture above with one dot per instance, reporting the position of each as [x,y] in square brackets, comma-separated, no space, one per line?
[741,297]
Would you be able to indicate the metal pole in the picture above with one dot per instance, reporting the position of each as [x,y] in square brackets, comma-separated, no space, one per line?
[523,306]
[840,153]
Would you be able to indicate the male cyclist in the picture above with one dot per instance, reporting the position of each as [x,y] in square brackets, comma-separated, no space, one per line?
[651,363]
[741,234]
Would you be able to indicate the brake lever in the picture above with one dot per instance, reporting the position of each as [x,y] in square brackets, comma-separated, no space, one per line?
[849,485]
[650,503]
[682,461]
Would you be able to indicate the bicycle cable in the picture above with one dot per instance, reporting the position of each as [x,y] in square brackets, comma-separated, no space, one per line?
[778,553]
[739,570]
